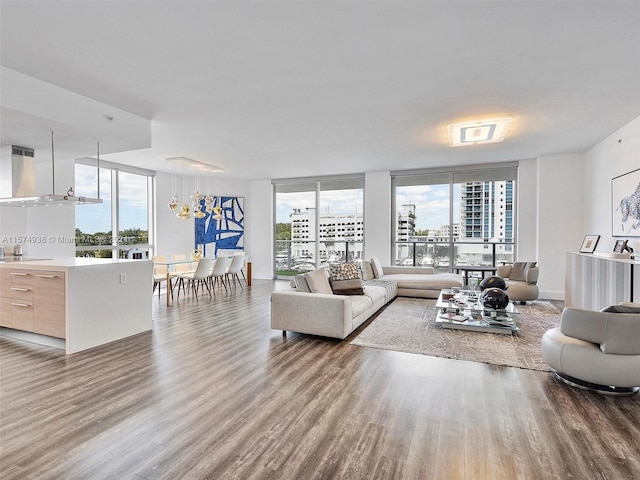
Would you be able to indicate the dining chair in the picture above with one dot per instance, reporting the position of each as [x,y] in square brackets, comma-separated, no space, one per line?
[160,274]
[182,268]
[219,271]
[235,267]
[198,277]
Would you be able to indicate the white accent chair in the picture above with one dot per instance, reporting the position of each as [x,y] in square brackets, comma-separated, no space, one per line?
[521,279]
[596,350]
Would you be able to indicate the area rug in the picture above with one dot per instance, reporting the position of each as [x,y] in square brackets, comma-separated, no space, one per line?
[408,325]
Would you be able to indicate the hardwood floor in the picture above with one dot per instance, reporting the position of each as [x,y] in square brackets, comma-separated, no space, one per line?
[214,393]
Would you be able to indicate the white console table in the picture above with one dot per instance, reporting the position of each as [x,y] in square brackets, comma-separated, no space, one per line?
[596,281]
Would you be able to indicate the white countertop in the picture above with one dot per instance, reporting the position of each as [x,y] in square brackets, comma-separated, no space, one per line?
[65,262]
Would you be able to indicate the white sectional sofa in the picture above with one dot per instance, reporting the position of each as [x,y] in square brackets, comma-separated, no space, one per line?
[420,281]
[336,316]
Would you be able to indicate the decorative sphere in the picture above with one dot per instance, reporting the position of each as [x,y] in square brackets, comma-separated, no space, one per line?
[493,281]
[494,298]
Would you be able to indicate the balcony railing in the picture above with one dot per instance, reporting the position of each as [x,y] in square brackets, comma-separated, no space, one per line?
[294,256]
[439,254]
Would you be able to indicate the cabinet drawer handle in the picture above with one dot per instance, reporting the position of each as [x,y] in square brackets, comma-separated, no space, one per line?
[46,276]
[20,304]
[20,274]
[21,289]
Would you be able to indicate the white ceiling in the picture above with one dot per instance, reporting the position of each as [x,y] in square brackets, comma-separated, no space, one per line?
[277,89]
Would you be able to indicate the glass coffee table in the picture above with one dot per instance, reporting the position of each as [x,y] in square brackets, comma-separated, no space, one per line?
[462,310]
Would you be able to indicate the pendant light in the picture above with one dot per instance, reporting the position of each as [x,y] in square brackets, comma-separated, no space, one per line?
[197,207]
[185,211]
[173,204]
[217,210]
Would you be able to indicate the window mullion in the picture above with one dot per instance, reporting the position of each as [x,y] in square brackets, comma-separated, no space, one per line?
[115,207]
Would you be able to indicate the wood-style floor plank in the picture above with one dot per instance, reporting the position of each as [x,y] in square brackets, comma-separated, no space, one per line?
[213,393]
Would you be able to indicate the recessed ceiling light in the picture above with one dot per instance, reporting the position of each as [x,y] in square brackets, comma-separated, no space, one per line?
[195,165]
[478,132]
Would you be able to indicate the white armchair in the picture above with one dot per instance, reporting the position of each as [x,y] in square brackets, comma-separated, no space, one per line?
[596,350]
[521,279]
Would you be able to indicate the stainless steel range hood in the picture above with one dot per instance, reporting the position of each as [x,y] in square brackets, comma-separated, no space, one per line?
[17,182]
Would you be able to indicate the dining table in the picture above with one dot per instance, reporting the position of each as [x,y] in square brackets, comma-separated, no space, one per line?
[170,264]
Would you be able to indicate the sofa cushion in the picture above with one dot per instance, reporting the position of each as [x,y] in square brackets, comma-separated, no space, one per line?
[519,271]
[318,281]
[352,286]
[366,270]
[300,283]
[381,290]
[344,271]
[376,266]
[425,282]
[359,305]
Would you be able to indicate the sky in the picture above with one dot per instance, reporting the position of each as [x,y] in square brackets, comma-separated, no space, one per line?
[97,218]
[332,201]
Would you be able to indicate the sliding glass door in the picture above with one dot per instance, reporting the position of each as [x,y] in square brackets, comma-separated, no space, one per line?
[458,217]
[317,223]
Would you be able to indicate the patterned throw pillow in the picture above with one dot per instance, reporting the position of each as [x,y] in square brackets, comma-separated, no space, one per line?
[344,271]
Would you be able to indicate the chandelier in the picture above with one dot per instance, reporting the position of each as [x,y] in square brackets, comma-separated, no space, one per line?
[196,199]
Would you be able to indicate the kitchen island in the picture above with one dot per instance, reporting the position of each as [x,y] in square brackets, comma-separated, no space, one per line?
[75,303]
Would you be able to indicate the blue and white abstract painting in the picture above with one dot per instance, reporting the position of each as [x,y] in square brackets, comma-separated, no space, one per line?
[224,234]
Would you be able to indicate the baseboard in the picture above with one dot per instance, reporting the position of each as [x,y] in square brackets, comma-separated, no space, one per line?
[33,338]
[550,295]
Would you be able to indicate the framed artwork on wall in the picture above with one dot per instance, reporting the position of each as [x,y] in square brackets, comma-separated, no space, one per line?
[221,231]
[625,205]
[589,243]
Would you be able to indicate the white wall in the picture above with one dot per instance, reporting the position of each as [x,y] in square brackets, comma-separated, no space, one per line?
[560,222]
[617,154]
[260,215]
[377,216]
[527,211]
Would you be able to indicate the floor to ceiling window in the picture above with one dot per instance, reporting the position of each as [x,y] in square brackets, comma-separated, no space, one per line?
[462,216]
[120,226]
[318,222]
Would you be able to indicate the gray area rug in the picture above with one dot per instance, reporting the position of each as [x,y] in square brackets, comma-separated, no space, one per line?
[408,325]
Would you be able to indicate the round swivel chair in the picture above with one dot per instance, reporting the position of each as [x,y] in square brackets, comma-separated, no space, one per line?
[596,350]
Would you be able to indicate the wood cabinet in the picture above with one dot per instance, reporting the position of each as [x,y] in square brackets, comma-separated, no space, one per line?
[5,298]
[49,303]
[21,294]
[33,301]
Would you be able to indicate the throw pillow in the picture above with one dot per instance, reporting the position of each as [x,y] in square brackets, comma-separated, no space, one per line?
[301,283]
[348,287]
[621,309]
[367,271]
[377,267]
[519,270]
[318,281]
[344,271]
